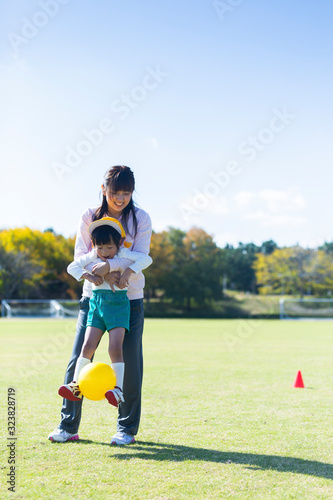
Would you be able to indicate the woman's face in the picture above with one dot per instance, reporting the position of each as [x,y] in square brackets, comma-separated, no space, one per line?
[117,200]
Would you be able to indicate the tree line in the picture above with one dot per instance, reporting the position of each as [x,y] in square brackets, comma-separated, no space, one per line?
[189,268]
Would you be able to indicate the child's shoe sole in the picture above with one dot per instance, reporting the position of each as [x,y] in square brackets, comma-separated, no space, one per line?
[111,398]
[67,394]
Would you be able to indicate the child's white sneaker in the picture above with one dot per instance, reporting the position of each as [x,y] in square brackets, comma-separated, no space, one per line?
[115,397]
[70,391]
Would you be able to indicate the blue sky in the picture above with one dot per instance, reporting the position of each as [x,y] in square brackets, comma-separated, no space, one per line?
[222,109]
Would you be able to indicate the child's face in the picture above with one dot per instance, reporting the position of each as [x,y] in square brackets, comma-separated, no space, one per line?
[107,251]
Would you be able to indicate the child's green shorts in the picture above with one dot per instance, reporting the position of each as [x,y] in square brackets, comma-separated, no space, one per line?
[108,309]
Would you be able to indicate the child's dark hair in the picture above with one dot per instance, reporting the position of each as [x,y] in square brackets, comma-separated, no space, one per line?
[119,178]
[102,235]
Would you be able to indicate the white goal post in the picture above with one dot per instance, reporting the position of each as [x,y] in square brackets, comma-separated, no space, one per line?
[306,308]
[20,308]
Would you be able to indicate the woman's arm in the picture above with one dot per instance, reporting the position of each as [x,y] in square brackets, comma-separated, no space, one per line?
[82,250]
[140,262]
[140,244]
[141,241]
[83,243]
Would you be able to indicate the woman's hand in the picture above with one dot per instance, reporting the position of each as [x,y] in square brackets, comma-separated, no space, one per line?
[124,278]
[96,280]
[101,269]
[112,279]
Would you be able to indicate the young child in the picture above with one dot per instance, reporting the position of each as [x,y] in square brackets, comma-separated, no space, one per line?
[109,307]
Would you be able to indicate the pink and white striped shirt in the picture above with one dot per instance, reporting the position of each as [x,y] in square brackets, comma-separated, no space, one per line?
[140,243]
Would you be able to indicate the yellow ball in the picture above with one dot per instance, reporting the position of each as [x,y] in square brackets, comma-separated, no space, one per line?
[95,379]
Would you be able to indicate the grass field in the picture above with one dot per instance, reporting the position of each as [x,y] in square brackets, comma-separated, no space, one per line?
[220,418]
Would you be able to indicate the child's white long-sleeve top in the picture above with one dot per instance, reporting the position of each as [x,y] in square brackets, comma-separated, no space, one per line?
[79,266]
[140,240]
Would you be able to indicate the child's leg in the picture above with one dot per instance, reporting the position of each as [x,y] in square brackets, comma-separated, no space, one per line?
[92,337]
[71,391]
[116,338]
[91,340]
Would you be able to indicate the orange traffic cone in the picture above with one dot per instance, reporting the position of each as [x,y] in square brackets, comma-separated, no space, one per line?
[299,380]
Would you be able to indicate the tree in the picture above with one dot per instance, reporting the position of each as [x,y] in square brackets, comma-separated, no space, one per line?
[321,274]
[294,271]
[195,272]
[16,271]
[268,247]
[161,253]
[327,248]
[46,257]
[238,266]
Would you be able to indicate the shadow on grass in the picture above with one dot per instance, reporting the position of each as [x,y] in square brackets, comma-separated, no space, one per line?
[176,453]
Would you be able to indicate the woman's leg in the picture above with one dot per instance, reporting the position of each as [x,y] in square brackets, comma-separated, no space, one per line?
[71,410]
[130,411]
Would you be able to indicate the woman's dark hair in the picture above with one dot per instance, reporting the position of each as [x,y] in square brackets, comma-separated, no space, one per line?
[102,235]
[119,178]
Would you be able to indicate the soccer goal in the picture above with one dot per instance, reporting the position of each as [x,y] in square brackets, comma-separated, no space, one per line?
[306,308]
[19,308]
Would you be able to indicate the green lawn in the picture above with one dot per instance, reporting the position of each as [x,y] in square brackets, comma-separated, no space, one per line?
[220,417]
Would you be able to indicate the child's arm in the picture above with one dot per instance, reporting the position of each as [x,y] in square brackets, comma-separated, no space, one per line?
[77,268]
[103,268]
[141,244]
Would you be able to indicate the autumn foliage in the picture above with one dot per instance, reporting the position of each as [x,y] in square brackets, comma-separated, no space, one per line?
[189,269]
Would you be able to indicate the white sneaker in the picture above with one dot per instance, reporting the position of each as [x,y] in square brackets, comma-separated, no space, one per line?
[122,438]
[61,436]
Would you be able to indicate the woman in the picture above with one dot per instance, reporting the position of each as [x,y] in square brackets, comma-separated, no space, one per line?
[117,188]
